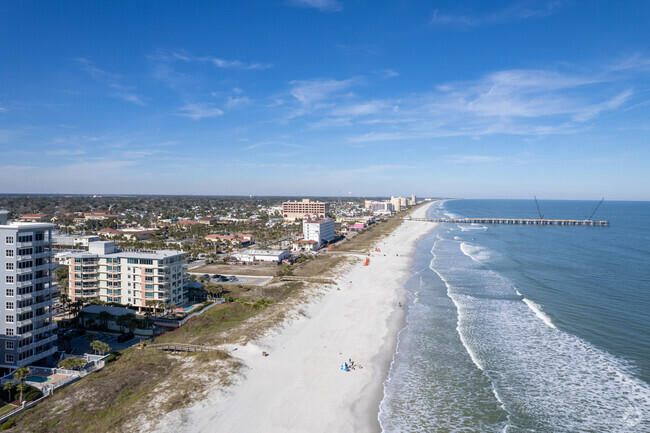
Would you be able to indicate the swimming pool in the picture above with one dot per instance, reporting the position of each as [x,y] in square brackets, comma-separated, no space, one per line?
[188,308]
[38,379]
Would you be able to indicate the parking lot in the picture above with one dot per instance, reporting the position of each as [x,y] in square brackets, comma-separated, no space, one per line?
[80,345]
[248,280]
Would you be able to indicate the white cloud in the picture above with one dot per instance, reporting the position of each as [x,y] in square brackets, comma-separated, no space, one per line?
[518,12]
[323,5]
[113,82]
[236,64]
[166,57]
[308,92]
[235,102]
[199,111]
[472,159]
[361,109]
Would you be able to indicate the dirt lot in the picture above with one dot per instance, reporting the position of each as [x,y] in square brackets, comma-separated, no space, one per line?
[237,270]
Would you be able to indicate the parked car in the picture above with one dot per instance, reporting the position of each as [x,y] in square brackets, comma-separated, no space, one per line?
[125,337]
[206,275]
[232,278]
[216,276]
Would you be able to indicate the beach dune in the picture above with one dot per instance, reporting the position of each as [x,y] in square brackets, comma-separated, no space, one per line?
[300,386]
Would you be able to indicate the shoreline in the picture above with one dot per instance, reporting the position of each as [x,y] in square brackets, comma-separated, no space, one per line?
[300,385]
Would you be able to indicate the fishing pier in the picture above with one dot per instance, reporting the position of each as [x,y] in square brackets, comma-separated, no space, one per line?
[516,221]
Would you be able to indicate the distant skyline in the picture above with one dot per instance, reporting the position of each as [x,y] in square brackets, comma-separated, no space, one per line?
[470,99]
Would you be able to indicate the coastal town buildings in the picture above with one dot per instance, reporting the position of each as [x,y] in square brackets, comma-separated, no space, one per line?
[26,292]
[292,210]
[135,278]
[242,239]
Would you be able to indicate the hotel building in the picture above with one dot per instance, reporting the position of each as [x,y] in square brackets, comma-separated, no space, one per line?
[292,210]
[26,292]
[127,277]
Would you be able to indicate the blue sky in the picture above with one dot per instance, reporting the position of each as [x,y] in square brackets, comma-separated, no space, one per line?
[477,99]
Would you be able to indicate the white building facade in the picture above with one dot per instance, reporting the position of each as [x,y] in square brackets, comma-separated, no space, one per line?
[261,256]
[320,231]
[26,293]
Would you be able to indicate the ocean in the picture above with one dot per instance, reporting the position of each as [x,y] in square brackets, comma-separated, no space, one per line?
[526,328]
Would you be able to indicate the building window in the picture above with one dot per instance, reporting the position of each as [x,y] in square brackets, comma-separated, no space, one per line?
[10,292]
[9,318]
[9,278]
[9,331]
[9,253]
[9,345]
[10,305]
[9,240]
[10,266]
[9,358]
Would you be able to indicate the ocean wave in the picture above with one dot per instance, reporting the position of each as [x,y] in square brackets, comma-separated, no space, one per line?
[475,252]
[538,312]
[470,227]
[546,379]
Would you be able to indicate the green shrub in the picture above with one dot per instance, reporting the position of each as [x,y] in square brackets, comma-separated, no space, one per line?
[32,393]
[113,357]
[8,424]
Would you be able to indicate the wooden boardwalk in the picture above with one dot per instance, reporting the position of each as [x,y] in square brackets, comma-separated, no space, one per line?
[180,347]
[516,221]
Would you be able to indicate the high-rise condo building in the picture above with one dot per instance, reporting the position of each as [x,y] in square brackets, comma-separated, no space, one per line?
[26,293]
[137,278]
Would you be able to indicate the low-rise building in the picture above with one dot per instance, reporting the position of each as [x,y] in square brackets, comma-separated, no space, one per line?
[132,234]
[98,216]
[242,239]
[261,256]
[70,242]
[208,220]
[305,245]
[33,218]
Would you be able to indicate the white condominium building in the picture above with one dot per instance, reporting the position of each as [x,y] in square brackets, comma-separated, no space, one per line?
[26,291]
[318,230]
[136,278]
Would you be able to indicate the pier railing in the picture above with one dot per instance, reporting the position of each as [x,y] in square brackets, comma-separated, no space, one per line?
[516,221]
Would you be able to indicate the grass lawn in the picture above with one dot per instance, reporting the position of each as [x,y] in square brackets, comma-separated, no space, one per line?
[7,408]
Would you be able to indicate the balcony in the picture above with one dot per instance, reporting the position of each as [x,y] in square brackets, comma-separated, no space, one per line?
[33,307]
[37,356]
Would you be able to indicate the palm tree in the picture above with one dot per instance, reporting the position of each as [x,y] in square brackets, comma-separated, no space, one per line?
[104,317]
[64,300]
[147,319]
[121,321]
[131,322]
[154,305]
[100,347]
[20,375]
[9,386]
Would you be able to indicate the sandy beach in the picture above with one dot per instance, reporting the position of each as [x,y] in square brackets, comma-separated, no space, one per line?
[300,386]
